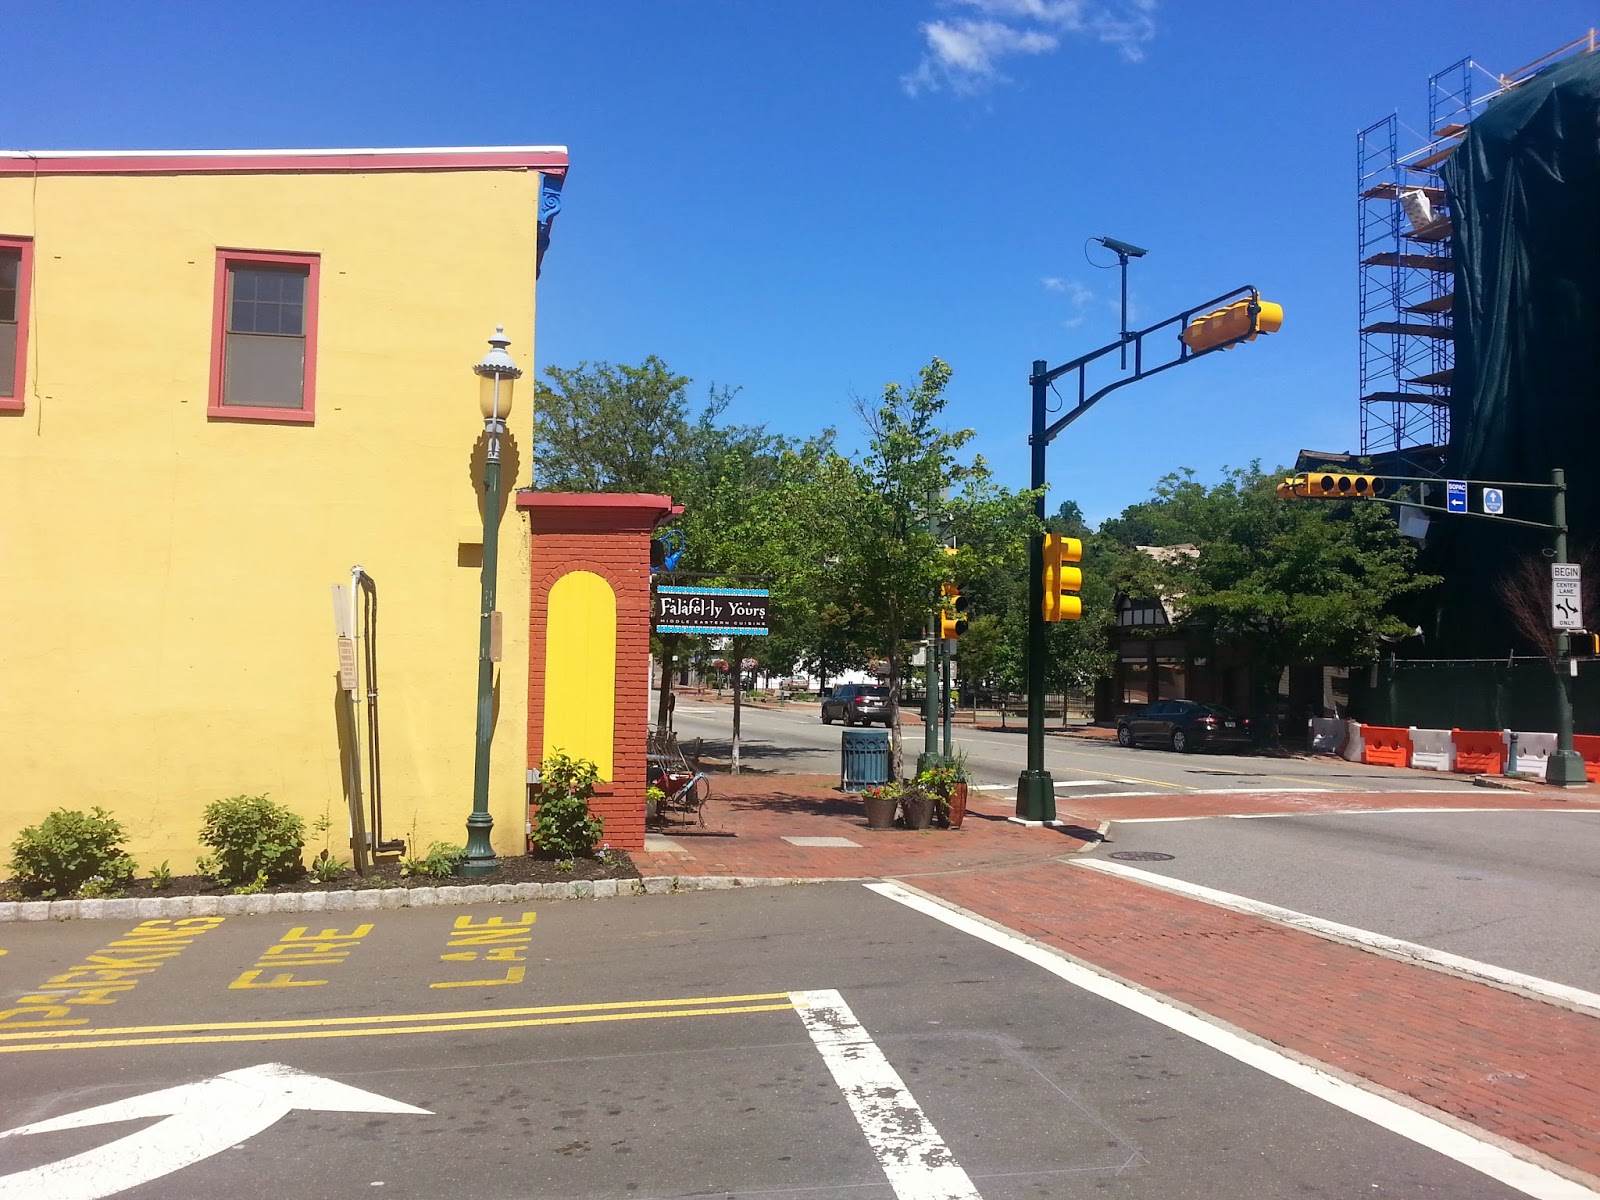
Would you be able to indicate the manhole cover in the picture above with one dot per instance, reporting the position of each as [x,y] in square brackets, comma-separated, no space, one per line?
[1142,856]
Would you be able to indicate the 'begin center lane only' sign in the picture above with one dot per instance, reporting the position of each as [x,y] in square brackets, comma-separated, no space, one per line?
[736,611]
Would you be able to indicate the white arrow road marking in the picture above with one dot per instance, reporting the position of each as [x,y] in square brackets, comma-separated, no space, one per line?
[202,1119]
[915,1158]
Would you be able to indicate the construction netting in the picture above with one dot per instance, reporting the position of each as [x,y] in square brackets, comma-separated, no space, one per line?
[1524,194]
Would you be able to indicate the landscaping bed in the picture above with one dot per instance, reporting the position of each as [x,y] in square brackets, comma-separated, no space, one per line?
[524,869]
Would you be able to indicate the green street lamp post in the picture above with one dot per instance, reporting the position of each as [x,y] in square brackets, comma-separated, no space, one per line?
[497,377]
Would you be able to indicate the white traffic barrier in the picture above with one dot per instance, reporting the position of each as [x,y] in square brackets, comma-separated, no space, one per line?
[1432,749]
[1354,746]
[1533,752]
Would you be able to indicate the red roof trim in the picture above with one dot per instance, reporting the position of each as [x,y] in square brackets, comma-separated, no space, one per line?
[559,511]
[550,159]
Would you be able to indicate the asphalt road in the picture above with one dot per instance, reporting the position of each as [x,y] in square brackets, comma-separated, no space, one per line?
[794,739]
[1516,889]
[652,1048]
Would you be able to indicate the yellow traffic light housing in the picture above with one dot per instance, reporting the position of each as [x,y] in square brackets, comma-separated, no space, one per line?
[1292,486]
[1061,579]
[1232,324]
[1328,485]
[952,612]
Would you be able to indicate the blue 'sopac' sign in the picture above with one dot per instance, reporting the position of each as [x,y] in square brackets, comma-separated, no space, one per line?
[1455,495]
[734,611]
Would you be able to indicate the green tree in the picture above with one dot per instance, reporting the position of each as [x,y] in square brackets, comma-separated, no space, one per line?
[600,427]
[857,532]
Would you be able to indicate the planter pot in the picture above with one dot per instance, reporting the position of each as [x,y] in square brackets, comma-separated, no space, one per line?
[958,805]
[880,811]
[919,811]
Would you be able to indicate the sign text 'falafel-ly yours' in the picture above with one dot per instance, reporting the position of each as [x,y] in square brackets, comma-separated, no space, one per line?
[107,975]
[738,612]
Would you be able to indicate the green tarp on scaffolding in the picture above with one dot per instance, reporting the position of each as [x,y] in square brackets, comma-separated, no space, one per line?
[1524,192]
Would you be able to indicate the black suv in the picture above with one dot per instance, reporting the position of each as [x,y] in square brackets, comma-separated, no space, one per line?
[857,704]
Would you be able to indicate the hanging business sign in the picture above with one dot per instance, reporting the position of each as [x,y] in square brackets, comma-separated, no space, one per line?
[738,612]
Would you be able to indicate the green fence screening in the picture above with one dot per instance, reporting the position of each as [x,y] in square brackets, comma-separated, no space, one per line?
[1480,694]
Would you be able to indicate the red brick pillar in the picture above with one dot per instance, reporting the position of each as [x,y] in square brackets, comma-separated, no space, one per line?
[604,534]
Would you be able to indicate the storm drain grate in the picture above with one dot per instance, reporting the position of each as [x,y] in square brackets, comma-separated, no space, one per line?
[1142,856]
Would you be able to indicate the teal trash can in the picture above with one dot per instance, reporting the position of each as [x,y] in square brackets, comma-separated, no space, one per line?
[863,758]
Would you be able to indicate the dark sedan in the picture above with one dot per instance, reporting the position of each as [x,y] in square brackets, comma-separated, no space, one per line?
[1184,725]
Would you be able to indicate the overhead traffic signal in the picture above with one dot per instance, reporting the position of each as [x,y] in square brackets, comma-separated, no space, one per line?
[1062,581]
[1240,321]
[1329,485]
[952,612]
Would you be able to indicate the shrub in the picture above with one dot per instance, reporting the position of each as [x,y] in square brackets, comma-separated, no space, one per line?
[438,863]
[325,868]
[251,839]
[565,828]
[66,850]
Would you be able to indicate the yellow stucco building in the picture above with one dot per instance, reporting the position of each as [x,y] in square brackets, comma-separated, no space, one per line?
[226,379]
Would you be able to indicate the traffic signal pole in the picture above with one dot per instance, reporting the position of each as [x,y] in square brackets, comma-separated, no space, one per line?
[1036,790]
[1238,317]
[930,663]
[1565,768]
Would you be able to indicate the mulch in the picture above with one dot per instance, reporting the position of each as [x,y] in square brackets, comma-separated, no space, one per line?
[525,869]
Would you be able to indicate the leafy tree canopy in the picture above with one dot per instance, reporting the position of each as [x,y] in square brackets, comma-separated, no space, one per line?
[1294,581]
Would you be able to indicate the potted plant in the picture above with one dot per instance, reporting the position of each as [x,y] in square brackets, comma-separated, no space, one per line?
[881,802]
[917,803]
[947,782]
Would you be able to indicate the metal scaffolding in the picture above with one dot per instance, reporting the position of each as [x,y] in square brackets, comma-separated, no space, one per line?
[1404,242]
[1406,281]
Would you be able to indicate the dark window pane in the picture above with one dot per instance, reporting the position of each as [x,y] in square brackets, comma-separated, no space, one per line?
[267,301]
[8,359]
[264,371]
[10,272]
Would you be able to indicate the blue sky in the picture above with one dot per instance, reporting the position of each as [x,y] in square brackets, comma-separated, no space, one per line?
[806,200]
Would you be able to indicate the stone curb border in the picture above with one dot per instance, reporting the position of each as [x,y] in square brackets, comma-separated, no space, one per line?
[373,899]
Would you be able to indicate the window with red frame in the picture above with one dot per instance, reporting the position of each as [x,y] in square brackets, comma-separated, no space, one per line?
[14,264]
[267,336]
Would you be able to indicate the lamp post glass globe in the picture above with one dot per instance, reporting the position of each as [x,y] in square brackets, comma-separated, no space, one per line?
[497,376]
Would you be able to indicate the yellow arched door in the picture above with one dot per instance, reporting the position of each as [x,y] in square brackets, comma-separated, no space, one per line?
[580,670]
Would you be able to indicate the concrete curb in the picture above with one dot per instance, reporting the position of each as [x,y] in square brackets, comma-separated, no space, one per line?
[369,899]
[1499,783]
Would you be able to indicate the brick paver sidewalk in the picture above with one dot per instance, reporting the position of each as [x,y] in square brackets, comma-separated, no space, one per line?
[749,817]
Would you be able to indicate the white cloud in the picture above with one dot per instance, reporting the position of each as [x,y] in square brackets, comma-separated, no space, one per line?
[1079,298]
[964,54]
